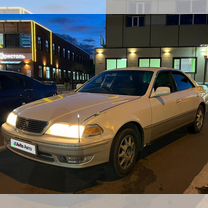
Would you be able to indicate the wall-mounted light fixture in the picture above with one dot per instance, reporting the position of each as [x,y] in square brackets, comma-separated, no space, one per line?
[27,61]
[100,51]
[166,51]
[132,51]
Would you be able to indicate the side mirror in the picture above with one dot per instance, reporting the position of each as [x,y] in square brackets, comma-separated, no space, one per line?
[78,86]
[161,91]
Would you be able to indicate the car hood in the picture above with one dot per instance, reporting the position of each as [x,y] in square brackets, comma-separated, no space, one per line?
[66,107]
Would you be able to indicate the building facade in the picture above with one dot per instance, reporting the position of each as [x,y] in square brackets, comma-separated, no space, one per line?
[157,6]
[13,10]
[177,41]
[32,49]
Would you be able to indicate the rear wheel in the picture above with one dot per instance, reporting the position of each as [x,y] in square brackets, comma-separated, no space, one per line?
[124,152]
[199,120]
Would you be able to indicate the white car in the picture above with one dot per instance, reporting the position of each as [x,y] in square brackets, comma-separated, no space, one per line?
[108,120]
[205,93]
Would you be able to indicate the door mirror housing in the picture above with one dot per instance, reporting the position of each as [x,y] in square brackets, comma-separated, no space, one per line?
[161,91]
[78,86]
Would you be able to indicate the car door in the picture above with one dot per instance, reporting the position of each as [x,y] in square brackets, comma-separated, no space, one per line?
[11,94]
[29,90]
[164,108]
[187,102]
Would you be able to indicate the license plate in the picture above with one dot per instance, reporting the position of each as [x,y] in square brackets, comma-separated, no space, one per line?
[29,148]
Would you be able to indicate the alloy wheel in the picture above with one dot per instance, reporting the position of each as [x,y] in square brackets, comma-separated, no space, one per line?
[127,152]
[199,119]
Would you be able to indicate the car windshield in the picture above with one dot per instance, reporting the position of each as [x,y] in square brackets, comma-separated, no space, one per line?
[133,83]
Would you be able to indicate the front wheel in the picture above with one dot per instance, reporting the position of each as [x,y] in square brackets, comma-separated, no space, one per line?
[124,152]
[196,127]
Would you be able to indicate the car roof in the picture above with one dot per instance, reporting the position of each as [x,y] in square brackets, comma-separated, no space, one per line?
[146,69]
[11,72]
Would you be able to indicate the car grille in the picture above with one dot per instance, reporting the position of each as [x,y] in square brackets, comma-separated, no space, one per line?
[29,125]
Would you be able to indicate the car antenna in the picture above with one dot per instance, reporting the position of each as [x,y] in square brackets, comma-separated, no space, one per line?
[78,121]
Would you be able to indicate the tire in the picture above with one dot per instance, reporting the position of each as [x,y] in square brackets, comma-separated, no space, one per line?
[124,153]
[197,126]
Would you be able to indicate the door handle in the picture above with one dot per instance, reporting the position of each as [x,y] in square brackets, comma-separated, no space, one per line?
[179,100]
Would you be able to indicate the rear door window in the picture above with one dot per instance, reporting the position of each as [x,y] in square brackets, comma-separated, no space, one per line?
[182,82]
[10,83]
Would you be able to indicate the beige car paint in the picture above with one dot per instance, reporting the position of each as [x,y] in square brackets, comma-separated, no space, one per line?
[155,115]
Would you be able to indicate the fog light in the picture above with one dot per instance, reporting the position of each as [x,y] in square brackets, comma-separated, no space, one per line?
[78,159]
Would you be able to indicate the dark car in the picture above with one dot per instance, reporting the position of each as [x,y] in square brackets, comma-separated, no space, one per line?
[17,89]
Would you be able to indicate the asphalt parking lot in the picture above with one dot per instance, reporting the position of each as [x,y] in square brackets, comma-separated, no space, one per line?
[168,167]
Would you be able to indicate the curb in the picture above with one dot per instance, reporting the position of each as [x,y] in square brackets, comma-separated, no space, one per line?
[200,181]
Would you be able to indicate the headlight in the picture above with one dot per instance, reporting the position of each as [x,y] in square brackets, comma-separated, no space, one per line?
[65,130]
[12,119]
[74,131]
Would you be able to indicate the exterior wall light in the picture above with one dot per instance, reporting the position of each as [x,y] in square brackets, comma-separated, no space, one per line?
[132,51]
[27,61]
[166,51]
[99,51]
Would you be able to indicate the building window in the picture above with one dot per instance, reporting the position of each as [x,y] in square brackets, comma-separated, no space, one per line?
[116,63]
[47,45]
[54,48]
[149,62]
[135,21]
[77,76]
[69,74]
[48,74]
[40,43]
[1,41]
[54,73]
[74,75]
[186,19]
[59,74]
[12,40]
[40,71]
[72,56]
[200,19]
[187,65]
[25,41]
[59,50]
[140,7]
[64,53]
[68,54]
[172,19]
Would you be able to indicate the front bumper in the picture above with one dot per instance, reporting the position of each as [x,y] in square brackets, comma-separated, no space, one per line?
[58,153]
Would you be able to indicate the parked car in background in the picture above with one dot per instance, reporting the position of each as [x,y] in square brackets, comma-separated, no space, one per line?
[108,120]
[205,93]
[17,89]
